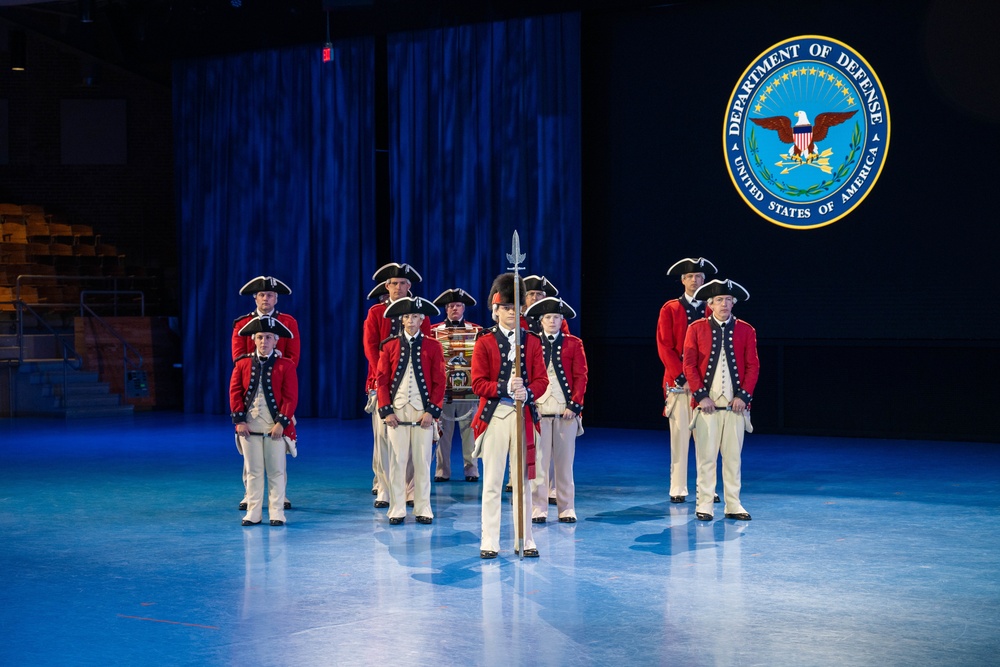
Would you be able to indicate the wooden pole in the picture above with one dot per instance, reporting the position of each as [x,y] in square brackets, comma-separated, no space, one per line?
[516,258]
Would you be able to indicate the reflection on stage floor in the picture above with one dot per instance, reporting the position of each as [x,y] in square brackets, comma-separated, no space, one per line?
[122,545]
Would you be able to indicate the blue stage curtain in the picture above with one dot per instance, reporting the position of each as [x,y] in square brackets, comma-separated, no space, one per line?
[275,176]
[484,140]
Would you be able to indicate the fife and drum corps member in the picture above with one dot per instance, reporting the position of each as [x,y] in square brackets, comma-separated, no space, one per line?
[495,424]
[676,316]
[721,365]
[263,395]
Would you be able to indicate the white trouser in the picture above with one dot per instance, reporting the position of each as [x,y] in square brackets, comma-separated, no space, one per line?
[449,413]
[263,454]
[679,414]
[720,432]
[556,444]
[380,458]
[372,409]
[499,441]
[245,481]
[410,449]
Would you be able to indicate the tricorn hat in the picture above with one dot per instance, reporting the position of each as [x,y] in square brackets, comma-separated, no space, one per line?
[719,287]
[692,265]
[452,295]
[265,284]
[410,304]
[267,324]
[394,270]
[378,291]
[550,304]
[539,283]
[502,290]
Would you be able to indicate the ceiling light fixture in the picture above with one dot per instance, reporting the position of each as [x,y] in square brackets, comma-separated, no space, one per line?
[18,50]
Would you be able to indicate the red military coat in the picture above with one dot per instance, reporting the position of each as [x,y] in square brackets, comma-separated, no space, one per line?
[740,346]
[376,330]
[283,395]
[290,348]
[570,358]
[671,328]
[431,379]
[485,373]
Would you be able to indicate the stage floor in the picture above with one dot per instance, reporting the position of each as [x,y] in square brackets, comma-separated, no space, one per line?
[122,545]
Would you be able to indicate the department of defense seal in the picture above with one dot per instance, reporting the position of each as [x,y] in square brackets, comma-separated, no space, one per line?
[806,132]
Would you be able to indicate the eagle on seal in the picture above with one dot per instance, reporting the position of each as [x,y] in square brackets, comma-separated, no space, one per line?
[803,135]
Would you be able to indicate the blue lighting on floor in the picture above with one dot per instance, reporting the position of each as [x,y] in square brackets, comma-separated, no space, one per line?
[122,545]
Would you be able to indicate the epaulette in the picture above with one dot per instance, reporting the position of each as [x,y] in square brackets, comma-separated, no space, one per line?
[242,356]
[386,341]
[236,321]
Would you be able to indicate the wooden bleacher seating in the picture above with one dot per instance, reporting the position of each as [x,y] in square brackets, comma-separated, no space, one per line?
[83,235]
[37,230]
[13,232]
[33,242]
[61,249]
[11,210]
[61,233]
[29,294]
[37,250]
[13,253]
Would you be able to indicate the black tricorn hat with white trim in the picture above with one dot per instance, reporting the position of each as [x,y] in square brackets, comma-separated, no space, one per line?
[502,290]
[692,265]
[266,324]
[550,304]
[394,270]
[379,290]
[539,284]
[719,287]
[452,295]
[265,284]
[411,304]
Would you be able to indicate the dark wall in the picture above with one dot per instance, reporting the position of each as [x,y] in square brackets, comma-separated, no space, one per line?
[859,320]
[131,204]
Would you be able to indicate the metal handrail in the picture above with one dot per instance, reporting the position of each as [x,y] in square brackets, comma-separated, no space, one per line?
[36,276]
[125,344]
[116,292]
[67,349]
[21,305]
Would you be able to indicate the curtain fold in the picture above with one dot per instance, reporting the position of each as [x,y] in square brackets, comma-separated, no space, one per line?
[275,176]
[484,140]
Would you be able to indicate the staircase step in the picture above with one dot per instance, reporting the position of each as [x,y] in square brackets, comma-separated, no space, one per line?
[78,413]
[42,392]
[105,411]
[40,346]
[92,401]
[77,389]
[72,379]
[45,366]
